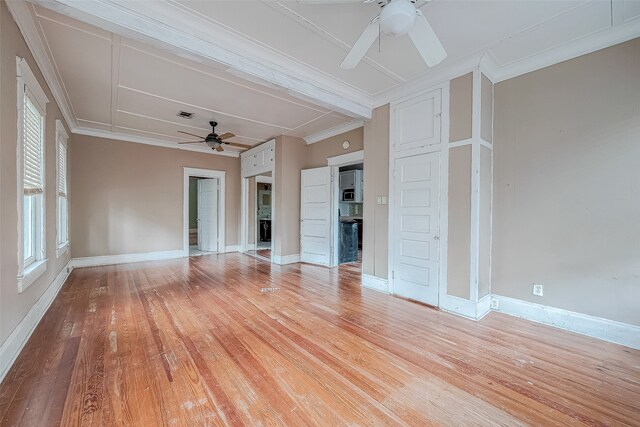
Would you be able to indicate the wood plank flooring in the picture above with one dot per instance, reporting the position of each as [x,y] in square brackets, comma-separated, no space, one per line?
[200,341]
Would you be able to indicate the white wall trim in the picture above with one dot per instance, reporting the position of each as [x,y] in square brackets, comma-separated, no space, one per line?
[331,132]
[16,341]
[203,173]
[346,159]
[96,261]
[376,283]
[149,141]
[483,306]
[285,259]
[595,327]
[232,248]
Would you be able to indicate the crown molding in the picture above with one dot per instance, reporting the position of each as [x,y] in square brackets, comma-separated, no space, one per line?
[148,141]
[336,130]
[567,51]
[164,26]
[22,16]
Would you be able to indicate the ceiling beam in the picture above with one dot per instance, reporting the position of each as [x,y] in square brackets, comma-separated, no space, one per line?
[163,25]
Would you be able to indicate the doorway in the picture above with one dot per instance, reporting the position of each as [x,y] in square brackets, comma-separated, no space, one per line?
[349,222]
[260,208]
[203,212]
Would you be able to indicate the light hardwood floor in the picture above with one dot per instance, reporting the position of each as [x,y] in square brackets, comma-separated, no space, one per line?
[200,342]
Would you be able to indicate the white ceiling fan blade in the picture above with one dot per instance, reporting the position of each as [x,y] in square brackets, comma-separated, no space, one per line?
[360,48]
[426,41]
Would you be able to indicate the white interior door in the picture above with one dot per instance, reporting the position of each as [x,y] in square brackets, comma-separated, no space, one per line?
[315,216]
[208,215]
[416,240]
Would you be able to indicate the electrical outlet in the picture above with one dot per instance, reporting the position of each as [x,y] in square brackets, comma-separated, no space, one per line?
[495,304]
[538,290]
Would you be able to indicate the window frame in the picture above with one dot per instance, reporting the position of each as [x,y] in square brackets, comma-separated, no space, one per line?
[62,140]
[29,270]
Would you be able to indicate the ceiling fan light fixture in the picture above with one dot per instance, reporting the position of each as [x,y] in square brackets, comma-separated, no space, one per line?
[397,18]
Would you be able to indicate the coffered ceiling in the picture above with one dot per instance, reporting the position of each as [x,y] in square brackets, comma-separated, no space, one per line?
[265,68]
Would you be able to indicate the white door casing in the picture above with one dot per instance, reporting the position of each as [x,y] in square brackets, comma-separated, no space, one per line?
[416,228]
[208,215]
[315,216]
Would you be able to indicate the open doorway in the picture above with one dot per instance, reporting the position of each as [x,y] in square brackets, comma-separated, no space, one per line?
[348,222]
[260,208]
[203,212]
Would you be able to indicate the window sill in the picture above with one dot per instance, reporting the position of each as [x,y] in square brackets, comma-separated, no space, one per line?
[62,250]
[31,274]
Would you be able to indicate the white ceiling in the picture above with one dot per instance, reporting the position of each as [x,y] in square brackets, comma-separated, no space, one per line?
[264,68]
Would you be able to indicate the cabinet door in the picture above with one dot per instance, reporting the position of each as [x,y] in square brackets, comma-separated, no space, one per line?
[348,179]
[416,122]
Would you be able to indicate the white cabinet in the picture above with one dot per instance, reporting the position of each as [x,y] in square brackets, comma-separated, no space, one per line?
[258,160]
[351,186]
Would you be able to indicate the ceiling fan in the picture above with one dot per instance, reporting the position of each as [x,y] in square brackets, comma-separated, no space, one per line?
[398,17]
[214,140]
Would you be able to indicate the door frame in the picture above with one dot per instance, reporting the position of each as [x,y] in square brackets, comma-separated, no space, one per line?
[244,212]
[336,162]
[203,173]
[261,179]
[443,196]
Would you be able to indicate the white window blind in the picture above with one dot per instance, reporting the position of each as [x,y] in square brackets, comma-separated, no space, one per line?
[62,168]
[32,147]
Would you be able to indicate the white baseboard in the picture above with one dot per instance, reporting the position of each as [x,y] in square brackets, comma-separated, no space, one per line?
[13,345]
[375,283]
[483,307]
[251,246]
[286,259]
[232,248]
[125,258]
[596,327]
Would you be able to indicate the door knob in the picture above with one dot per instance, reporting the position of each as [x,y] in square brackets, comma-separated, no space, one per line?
[436,237]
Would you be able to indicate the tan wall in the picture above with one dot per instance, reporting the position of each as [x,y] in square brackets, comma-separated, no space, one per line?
[127,197]
[567,186]
[376,184]
[290,160]
[460,107]
[14,306]
[459,248]
[486,109]
[484,242]
[317,154]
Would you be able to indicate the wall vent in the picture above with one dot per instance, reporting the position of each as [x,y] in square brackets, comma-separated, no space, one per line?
[185,115]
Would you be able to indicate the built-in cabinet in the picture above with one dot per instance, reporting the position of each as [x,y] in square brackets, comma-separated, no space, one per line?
[258,160]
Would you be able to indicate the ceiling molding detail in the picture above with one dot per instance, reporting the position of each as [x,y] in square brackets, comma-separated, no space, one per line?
[565,52]
[299,80]
[336,130]
[149,141]
[21,14]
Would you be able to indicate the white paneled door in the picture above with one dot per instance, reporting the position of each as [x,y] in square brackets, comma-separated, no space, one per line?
[415,222]
[315,216]
[208,215]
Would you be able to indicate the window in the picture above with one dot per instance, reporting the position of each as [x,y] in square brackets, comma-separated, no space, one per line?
[62,196]
[31,178]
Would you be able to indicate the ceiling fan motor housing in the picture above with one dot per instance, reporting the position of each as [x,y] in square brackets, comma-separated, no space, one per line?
[397,17]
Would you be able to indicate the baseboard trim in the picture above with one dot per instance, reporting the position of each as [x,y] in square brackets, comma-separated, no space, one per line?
[286,259]
[125,258]
[483,307]
[232,248]
[14,344]
[595,327]
[376,283]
